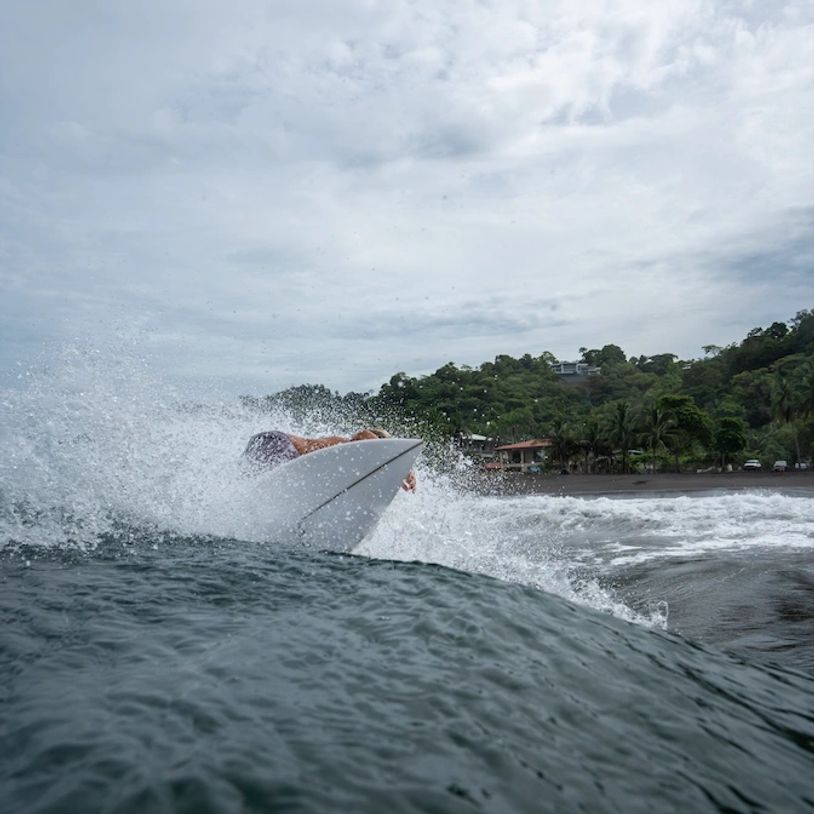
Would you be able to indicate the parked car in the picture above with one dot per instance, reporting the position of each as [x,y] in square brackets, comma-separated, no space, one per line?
[780,466]
[752,463]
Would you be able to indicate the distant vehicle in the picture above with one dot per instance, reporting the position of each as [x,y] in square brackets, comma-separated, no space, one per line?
[802,465]
[780,466]
[752,463]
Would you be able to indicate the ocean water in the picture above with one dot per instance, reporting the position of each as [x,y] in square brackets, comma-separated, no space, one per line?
[160,652]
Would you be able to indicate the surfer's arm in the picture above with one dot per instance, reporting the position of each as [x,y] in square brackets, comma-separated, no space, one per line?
[306,445]
[363,435]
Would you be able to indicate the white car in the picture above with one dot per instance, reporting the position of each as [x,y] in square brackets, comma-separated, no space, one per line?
[780,466]
[752,463]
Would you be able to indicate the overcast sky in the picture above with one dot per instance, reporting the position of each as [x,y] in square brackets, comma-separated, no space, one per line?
[260,194]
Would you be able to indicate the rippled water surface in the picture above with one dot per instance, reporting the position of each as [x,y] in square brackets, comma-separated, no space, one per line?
[215,676]
[159,652]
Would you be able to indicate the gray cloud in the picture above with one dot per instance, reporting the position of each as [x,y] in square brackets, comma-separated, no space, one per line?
[271,193]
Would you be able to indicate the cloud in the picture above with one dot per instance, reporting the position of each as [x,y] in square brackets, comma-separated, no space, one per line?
[273,193]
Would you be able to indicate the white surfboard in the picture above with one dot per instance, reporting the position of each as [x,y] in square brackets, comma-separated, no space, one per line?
[333,497]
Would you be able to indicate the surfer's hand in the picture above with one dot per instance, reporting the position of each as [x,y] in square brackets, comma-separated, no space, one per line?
[409,482]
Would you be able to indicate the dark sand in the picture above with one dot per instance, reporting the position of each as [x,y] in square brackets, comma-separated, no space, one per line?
[512,483]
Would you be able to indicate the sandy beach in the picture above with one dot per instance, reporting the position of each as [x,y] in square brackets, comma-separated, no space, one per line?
[662,482]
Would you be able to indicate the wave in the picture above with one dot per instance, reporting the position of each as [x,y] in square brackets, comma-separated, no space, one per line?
[96,448]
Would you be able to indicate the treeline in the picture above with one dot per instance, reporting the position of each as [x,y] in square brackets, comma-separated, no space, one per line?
[754,398]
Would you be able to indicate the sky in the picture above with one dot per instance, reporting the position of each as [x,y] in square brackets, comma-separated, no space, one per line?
[260,194]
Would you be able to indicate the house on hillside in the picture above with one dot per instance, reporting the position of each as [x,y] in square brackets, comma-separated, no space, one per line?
[575,371]
[524,456]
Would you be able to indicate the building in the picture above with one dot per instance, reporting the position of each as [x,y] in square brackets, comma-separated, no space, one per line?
[476,446]
[525,456]
[575,370]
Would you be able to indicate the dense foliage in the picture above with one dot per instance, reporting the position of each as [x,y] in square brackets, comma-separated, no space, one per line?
[753,399]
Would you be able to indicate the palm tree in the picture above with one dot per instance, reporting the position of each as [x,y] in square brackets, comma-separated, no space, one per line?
[621,428]
[658,429]
[805,394]
[591,442]
[561,440]
[785,406]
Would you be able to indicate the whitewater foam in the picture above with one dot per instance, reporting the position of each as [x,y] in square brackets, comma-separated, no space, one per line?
[96,447]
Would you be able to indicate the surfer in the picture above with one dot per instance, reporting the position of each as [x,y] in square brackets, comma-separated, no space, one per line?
[269,449]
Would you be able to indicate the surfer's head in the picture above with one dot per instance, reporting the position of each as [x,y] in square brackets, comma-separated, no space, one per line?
[379,432]
[269,449]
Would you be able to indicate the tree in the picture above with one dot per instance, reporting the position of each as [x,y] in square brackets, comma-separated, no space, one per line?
[705,380]
[690,423]
[806,391]
[515,425]
[752,390]
[608,355]
[729,437]
[777,330]
[658,429]
[621,428]
[660,363]
[592,441]
[562,441]
[759,349]
[802,333]
[784,406]
[588,356]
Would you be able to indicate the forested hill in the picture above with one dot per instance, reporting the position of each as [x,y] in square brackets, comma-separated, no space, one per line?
[755,397]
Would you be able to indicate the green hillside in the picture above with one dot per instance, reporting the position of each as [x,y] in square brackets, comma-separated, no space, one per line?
[754,398]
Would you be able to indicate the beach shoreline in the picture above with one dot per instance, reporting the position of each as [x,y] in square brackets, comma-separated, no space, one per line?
[513,483]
